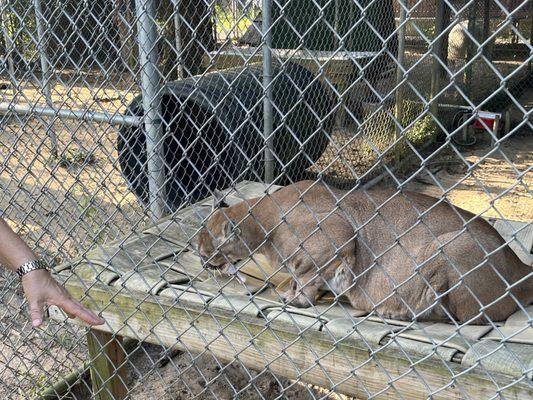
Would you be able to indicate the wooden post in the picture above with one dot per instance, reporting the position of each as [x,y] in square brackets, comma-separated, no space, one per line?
[107,365]
[470,51]
[486,19]
[507,126]
[440,47]
[495,131]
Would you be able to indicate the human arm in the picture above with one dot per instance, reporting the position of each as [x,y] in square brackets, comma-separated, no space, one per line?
[40,288]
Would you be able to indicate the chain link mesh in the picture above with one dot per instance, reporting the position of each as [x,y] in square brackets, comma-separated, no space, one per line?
[120,122]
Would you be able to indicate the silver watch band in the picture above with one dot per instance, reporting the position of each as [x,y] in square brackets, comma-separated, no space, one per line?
[31,266]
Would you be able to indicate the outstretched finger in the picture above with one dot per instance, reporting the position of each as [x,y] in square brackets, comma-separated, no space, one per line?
[74,308]
[36,313]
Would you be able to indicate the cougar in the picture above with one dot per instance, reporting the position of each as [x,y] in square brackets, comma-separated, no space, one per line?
[403,255]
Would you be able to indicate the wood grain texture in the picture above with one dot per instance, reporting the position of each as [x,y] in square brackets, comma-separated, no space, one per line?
[107,357]
[348,366]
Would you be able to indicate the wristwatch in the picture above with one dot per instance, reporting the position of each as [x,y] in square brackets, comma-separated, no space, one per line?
[32,266]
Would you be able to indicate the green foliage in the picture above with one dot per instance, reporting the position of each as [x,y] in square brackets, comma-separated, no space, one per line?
[422,131]
[19,22]
[75,158]
[381,131]
[33,392]
[226,22]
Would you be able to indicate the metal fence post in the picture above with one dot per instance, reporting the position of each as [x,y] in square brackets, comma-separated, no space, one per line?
[400,67]
[151,88]
[399,77]
[267,101]
[45,68]
[177,37]
[530,32]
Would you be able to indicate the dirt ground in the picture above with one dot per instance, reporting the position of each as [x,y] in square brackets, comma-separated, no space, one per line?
[498,186]
[78,197]
[207,379]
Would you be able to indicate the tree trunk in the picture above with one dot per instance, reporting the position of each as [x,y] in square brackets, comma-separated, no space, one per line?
[124,19]
[196,33]
[80,34]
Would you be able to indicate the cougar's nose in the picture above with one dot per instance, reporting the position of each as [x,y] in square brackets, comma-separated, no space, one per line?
[210,266]
[207,264]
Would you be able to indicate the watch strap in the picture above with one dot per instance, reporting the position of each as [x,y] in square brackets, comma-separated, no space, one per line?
[31,266]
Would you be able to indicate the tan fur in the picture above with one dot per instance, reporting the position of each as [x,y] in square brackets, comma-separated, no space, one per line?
[347,243]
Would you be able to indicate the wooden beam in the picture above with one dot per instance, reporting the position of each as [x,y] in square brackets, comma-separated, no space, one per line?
[486,19]
[107,365]
[436,68]
[471,48]
[66,383]
[348,366]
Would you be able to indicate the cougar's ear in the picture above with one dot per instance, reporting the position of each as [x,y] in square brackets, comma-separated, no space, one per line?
[218,200]
[203,211]
[228,230]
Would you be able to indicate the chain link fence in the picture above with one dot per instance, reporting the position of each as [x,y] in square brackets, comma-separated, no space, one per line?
[128,126]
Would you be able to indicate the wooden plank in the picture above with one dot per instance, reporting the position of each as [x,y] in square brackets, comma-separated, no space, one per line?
[507,358]
[520,236]
[520,231]
[108,374]
[347,366]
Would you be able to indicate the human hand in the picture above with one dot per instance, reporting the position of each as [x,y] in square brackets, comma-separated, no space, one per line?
[42,289]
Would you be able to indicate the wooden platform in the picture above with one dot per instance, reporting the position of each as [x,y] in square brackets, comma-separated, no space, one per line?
[152,287]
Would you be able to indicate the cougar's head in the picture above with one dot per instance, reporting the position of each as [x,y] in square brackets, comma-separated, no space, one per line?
[220,242]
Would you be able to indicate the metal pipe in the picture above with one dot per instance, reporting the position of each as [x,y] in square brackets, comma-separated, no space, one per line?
[83,115]
[399,69]
[267,87]
[336,22]
[177,37]
[399,78]
[45,70]
[458,106]
[151,89]
[495,129]
[234,12]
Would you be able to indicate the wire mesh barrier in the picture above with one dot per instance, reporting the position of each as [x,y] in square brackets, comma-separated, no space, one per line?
[270,199]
